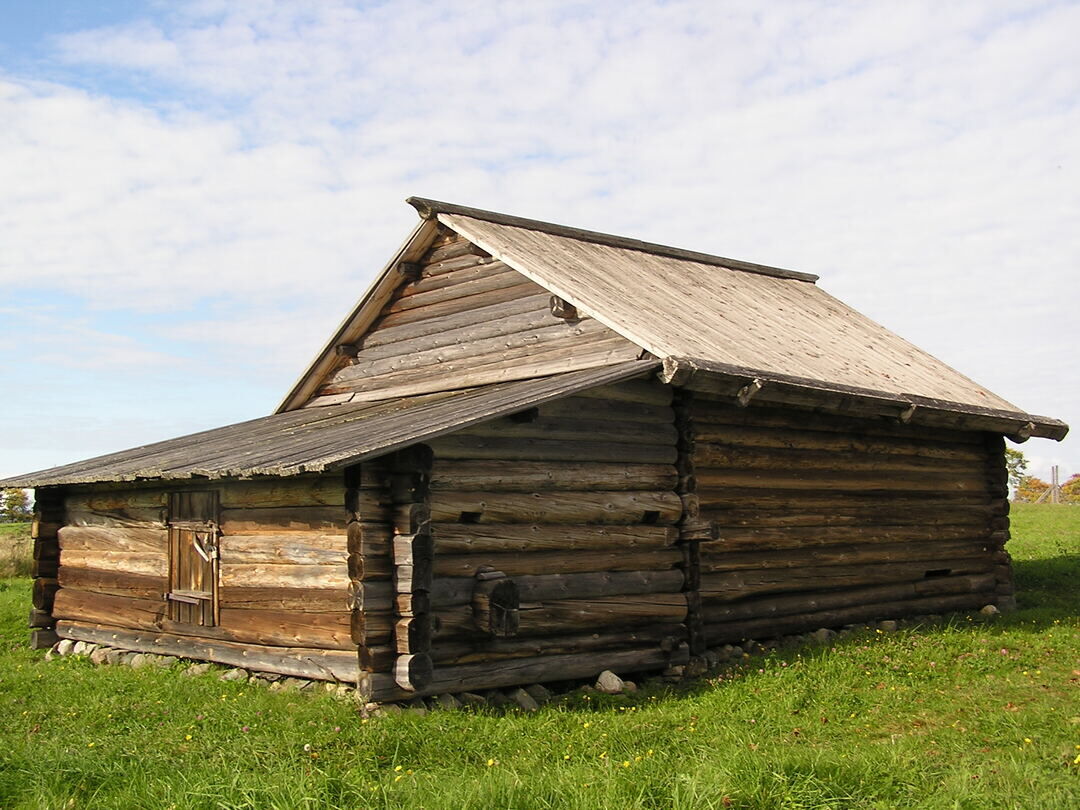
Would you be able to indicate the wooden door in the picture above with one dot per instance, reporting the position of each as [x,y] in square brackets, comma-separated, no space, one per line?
[193,558]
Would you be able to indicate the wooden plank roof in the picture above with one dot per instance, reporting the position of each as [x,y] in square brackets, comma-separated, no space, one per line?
[327,438]
[726,317]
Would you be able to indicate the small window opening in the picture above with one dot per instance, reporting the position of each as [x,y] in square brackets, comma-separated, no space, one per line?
[938,572]
[651,517]
[470,517]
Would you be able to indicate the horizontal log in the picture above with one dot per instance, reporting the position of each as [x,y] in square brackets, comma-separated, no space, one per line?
[451,538]
[284,519]
[450,591]
[105,538]
[117,500]
[273,628]
[384,334]
[536,359]
[510,449]
[324,490]
[879,512]
[149,563]
[284,549]
[116,583]
[648,391]
[737,539]
[494,276]
[776,626]
[779,438]
[492,650]
[560,616]
[577,407]
[806,500]
[715,558]
[377,347]
[302,600]
[783,459]
[575,429]
[285,576]
[132,517]
[734,585]
[851,481]
[118,611]
[461,303]
[311,664]
[716,612]
[557,562]
[708,413]
[541,476]
[467,677]
[436,351]
[617,507]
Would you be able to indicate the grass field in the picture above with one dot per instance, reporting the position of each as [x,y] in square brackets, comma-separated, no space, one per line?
[15,550]
[964,715]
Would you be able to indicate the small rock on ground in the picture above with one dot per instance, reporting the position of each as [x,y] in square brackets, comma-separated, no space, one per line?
[447,702]
[887,626]
[196,669]
[100,655]
[471,699]
[609,683]
[823,635]
[64,646]
[524,700]
[990,610]
[233,675]
[541,694]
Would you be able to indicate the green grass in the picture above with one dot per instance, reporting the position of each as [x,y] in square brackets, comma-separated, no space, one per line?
[16,550]
[964,715]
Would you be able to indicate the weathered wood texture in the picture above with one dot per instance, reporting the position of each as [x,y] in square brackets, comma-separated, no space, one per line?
[283,561]
[823,519]
[48,519]
[467,320]
[575,503]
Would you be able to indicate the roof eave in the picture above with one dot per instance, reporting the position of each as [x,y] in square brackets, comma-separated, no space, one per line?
[744,384]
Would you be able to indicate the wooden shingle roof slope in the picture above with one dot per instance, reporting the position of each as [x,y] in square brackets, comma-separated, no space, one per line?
[717,323]
[330,438]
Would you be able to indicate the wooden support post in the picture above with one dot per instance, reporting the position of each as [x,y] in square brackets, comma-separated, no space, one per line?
[48,518]
[691,529]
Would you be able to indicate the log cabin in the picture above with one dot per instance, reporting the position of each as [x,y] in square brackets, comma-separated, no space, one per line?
[533,452]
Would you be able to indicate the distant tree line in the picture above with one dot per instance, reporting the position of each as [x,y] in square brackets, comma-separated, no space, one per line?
[14,506]
[1028,488]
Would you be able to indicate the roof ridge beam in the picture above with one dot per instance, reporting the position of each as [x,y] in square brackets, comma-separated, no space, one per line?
[430,209]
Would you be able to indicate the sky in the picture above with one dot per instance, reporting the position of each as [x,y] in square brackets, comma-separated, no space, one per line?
[194,194]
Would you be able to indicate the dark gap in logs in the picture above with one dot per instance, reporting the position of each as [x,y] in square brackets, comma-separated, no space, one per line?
[469,517]
[650,518]
[937,572]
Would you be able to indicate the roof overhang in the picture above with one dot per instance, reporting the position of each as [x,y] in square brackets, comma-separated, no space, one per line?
[329,438]
[745,384]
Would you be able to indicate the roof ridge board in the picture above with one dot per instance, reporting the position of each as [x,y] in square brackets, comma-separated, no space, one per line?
[430,209]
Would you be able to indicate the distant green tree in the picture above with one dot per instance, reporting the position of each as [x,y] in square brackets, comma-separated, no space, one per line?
[1016,464]
[14,506]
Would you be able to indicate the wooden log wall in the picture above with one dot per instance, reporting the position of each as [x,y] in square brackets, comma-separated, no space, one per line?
[283,564]
[824,520]
[467,319]
[576,504]
[48,518]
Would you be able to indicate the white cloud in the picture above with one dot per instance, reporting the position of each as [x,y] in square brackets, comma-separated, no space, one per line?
[236,168]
